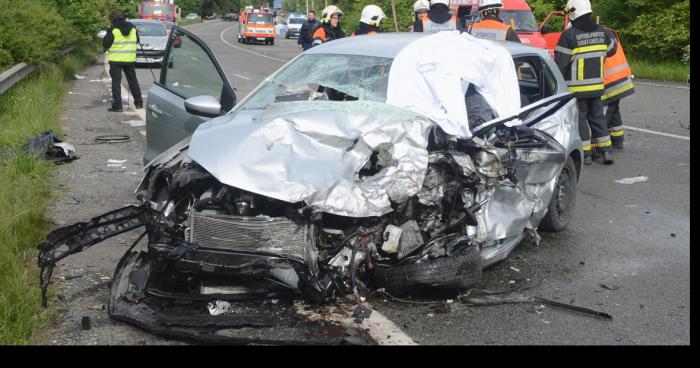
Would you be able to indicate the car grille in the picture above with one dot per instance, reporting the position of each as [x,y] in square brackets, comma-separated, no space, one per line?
[276,235]
[150,53]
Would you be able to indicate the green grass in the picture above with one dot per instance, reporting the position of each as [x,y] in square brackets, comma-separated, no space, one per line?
[663,70]
[185,22]
[26,190]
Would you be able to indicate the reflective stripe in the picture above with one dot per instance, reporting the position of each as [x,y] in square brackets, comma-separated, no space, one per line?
[596,87]
[600,140]
[587,49]
[617,128]
[122,52]
[602,68]
[581,63]
[584,82]
[563,50]
[490,34]
[125,43]
[617,89]
[123,48]
[616,69]
[432,27]
[617,134]
[608,143]
[587,147]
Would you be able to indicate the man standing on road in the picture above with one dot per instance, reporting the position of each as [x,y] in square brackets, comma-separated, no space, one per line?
[580,56]
[306,34]
[618,84]
[439,19]
[121,41]
[330,26]
[491,27]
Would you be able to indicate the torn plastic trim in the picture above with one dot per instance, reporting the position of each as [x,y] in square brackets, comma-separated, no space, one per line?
[83,235]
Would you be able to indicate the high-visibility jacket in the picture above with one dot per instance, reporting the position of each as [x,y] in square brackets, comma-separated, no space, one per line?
[123,48]
[618,75]
[323,36]
[368,33]
[580,55]
[489,29]
[432,27]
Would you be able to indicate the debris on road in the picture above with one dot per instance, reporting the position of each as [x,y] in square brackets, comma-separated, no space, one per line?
[514,269]
[634,180]
[78,77]
[113,138]
[48,145]
[609,287]
[361,312]
[135,123]
[218,307]
[85,323]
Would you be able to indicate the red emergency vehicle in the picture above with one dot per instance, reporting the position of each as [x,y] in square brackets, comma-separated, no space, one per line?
[256,25]
[158,10]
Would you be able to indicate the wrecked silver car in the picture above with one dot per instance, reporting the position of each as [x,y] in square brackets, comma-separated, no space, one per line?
[314,187]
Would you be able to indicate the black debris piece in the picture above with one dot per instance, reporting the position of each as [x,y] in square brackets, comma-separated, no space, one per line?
[48,145]
[609,287]
[442,308]
[85,323]
[673,235]
[361,312]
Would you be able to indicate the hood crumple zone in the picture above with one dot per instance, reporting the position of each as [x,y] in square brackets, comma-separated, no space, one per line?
[314,152]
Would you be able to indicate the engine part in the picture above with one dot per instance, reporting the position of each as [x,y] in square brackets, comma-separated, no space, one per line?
[392,237]
[411,239]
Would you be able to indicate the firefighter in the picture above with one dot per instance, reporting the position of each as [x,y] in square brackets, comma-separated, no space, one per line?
[420,10]
[491,27]
[121,41]
[580,55]
[371,16]
[439,18]
[618,84]
[330,26]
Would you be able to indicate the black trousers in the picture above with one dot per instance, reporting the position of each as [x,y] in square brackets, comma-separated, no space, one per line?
[592,126]
[614,119]
[115,72]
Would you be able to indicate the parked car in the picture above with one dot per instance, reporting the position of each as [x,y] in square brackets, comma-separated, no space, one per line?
[192,16]
[154,39]
[230,17]
[313,186]
[294,27]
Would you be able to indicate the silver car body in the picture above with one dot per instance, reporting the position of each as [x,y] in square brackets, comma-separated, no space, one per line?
[294,26]
[153,42]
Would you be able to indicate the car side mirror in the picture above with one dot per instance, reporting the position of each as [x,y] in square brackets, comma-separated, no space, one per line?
[206,106]
[102,34]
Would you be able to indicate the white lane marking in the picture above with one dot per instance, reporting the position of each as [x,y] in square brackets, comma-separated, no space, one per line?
[662,86]
[658,133]
[140,113]
[241,76]
[246,50]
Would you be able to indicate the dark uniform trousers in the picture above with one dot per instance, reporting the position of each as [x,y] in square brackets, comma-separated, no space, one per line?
[614,120]
[115,72]
[591,122]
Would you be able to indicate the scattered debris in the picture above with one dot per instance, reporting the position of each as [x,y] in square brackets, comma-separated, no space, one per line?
[113,138]
[73,276]
[85,323]
[51,147]
[538,308]
[78,77]
[113,161]
[489,298]
[511,282]
[582,263]
[442,308]
[609,287]
[634,180]
[673,235]
[430,314]
[361,312]
[218,307]
[514,269]
[135,123]
[97,307]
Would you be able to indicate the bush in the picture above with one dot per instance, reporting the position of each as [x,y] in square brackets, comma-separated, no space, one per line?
[84,15]
[32,32]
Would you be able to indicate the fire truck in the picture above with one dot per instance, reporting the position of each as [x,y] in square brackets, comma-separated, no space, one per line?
[256,25]
[159,10]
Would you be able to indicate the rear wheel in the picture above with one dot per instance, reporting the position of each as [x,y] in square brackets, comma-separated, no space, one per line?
[561,207]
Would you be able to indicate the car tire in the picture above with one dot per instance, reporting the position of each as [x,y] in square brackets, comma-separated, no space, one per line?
[561,207]
[459,271]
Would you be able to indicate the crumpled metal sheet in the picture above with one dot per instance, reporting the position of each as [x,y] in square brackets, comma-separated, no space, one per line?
[49,145]
[312,152]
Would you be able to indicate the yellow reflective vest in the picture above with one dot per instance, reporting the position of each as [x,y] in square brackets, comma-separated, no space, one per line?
[123,48]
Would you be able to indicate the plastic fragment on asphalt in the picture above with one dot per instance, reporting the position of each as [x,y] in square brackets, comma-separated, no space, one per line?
[634,180]
[78,77]
[218,307]
[514,269]
[361,312]
[113,161]
[135,123]
[609,287]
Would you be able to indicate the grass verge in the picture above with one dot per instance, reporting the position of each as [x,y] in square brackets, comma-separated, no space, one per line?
[187,22]
[663,70]
[26,189]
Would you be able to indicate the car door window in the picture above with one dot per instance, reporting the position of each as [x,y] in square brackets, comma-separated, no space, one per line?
[191,72]
[535,79]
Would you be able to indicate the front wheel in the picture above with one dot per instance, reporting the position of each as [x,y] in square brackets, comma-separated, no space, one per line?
[561,207]
[272,42]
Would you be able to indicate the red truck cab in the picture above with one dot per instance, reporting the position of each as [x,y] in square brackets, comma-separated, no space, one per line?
[525,24]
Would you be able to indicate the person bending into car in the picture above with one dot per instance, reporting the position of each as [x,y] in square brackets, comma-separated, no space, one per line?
[330,26]
[121,41]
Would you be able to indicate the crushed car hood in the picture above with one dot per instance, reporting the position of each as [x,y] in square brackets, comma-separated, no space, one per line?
[312,151]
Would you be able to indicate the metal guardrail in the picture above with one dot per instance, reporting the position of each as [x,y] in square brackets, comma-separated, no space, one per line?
[15,74]
[20,71]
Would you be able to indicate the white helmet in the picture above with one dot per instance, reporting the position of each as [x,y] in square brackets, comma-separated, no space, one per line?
[421,5]
[444,2]
[372,15]
[490,4]
[577,8]
[328,12]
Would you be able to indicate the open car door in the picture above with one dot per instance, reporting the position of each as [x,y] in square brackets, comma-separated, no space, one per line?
[191,90]
[552,28]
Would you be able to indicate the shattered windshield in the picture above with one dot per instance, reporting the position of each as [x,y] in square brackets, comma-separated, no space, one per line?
[325,78]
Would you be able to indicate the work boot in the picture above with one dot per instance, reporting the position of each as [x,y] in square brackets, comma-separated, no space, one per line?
[588,159]
[115,109]
[139,106]
[607,158]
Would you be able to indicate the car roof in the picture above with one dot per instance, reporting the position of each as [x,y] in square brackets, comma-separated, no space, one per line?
[144,21]
[389,44]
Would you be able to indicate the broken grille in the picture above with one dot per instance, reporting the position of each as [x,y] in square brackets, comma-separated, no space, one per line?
[276,235]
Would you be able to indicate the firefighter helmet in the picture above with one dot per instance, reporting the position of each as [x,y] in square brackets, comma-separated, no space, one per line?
[421,5]
[443,2]
[577,8]
[329,12]
[372,15]
[490,4]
